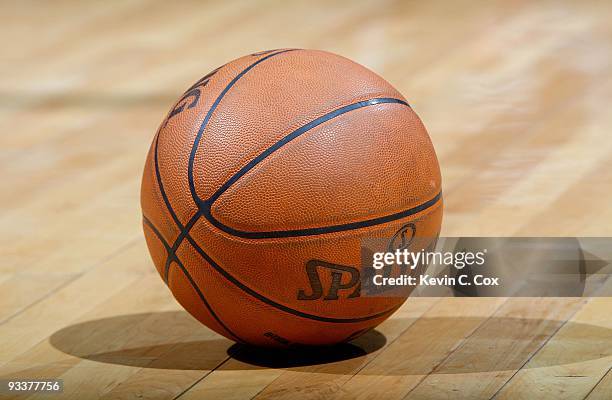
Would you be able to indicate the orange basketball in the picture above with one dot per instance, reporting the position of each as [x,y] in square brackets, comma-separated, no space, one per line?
[261,183]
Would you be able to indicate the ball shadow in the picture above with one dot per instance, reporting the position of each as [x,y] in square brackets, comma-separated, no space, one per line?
[175,341]
[307,355]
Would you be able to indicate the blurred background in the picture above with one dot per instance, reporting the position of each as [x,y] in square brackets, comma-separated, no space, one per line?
[515,96]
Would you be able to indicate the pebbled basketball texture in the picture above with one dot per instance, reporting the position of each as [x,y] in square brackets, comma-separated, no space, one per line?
[261,183]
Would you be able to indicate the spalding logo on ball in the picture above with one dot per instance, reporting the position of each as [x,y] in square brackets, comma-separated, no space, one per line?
[263,180]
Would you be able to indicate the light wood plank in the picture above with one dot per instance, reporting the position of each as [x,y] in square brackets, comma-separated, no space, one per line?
[427,343]
[498,348]
[573,361]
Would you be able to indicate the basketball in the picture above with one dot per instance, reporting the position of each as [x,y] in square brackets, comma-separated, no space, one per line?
[263,180]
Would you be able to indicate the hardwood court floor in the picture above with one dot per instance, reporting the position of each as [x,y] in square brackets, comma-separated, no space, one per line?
[516,97]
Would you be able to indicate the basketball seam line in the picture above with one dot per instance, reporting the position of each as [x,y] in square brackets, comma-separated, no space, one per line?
[212,109]
[273,303]
[297,133]
[189,278]
[324,229]
[184,230]
[170,250]
[252,292]
[185,233]
[205,206]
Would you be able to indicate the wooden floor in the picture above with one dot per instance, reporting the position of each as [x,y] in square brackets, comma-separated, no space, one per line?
[516,97]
